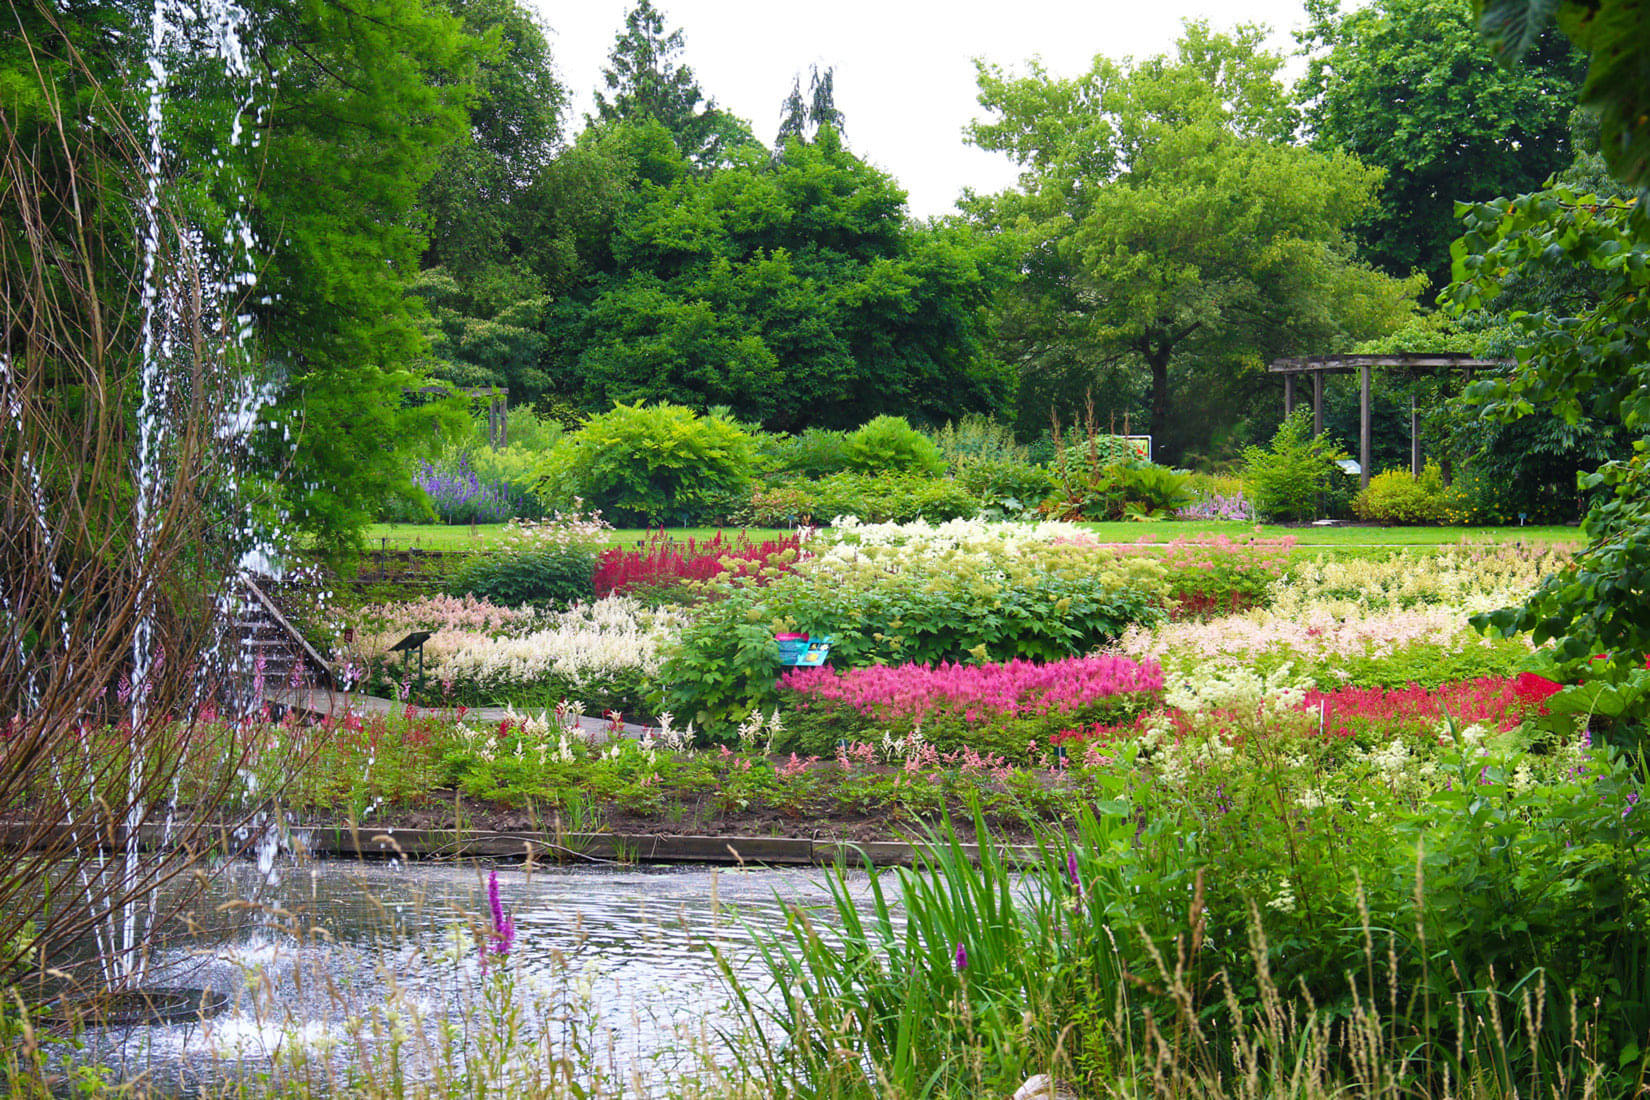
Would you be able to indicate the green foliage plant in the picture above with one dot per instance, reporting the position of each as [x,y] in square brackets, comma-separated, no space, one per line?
[1288,478]
[873,498]
[1398,497]
[647,464]
[975,436]
[815,452]
[1011,486]
[1586,359]
[887,444]
[545,563]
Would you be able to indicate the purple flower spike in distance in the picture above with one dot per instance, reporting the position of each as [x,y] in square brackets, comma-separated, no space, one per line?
[962,958]
[1071,870]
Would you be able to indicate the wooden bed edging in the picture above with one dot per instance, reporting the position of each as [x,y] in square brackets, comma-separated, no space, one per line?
[548,847]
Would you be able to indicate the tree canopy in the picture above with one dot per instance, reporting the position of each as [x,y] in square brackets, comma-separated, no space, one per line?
[1172,226]
[795,292]
[1411,87]
[644,79]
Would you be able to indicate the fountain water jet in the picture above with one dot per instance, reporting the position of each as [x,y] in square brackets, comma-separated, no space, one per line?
[120,507]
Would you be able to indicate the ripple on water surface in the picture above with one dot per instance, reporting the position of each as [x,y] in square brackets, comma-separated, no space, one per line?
[335,951]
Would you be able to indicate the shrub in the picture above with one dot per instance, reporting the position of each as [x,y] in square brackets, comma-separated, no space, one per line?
[537,563]
[1125,489]
[977,437]
[1396,496]
[648,464]
[872,498]
[814,453]
[888,444]
[1288,478]
[1010,485]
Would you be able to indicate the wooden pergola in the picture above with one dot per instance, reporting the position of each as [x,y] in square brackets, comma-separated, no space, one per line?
[1319,365]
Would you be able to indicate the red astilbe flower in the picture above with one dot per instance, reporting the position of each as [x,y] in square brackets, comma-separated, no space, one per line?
[1533,689]
[665,560]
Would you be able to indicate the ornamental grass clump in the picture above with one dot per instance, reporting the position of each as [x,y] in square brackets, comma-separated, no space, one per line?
[999,707]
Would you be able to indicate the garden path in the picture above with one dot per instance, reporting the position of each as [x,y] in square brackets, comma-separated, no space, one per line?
[324,701]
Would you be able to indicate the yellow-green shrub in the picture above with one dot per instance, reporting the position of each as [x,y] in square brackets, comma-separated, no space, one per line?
[1397,497]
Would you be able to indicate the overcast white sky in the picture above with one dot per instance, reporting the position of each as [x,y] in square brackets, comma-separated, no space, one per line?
[904,69]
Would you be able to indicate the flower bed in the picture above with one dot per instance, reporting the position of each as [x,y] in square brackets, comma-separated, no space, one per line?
[605,653]
[997,707]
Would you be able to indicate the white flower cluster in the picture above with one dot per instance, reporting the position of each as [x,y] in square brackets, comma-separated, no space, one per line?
[847,537]
[586,642]
[751,731]
[1214,687]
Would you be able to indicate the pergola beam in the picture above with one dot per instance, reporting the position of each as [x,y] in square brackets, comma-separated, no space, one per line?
[1346,364]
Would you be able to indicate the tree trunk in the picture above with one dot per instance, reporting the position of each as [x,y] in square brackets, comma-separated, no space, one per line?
[1163,451]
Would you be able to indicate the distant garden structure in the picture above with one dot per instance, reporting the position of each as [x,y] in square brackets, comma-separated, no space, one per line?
[1319,365]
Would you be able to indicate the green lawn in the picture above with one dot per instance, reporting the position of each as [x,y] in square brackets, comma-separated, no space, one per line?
[1331,536]
[400,536]
[435,536]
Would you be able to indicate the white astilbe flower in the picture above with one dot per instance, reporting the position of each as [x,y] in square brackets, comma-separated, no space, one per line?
[581,644]
[1211,688]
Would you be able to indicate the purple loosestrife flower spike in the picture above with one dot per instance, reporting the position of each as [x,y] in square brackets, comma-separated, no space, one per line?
[1071,870]
[502,936]
[962,958]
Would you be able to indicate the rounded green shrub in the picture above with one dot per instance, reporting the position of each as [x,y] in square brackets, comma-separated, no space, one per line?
[648,464]
[888,444]
[816,452]
[548,574]
[1010,485]
[1397,497]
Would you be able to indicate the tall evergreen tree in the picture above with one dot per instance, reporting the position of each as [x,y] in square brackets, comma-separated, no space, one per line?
[802,117]
[645,79]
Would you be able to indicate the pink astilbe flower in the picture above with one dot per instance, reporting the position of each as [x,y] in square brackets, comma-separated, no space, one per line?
[1017,688]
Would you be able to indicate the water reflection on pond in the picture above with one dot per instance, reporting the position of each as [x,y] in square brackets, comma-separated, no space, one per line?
[335,951]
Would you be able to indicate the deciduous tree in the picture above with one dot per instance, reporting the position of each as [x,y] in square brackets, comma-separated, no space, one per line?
[1411,87]
[1171,223]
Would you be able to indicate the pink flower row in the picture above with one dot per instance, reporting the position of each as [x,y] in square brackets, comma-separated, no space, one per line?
[975,691]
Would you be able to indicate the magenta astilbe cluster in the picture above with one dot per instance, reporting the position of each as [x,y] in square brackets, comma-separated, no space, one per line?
[1015,689]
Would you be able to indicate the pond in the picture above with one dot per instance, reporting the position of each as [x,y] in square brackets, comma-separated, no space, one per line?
[339,967]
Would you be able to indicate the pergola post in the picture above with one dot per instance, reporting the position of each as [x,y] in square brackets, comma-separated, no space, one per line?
[1317,402]
[1414,439]
[1288,394]
[1363,426]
